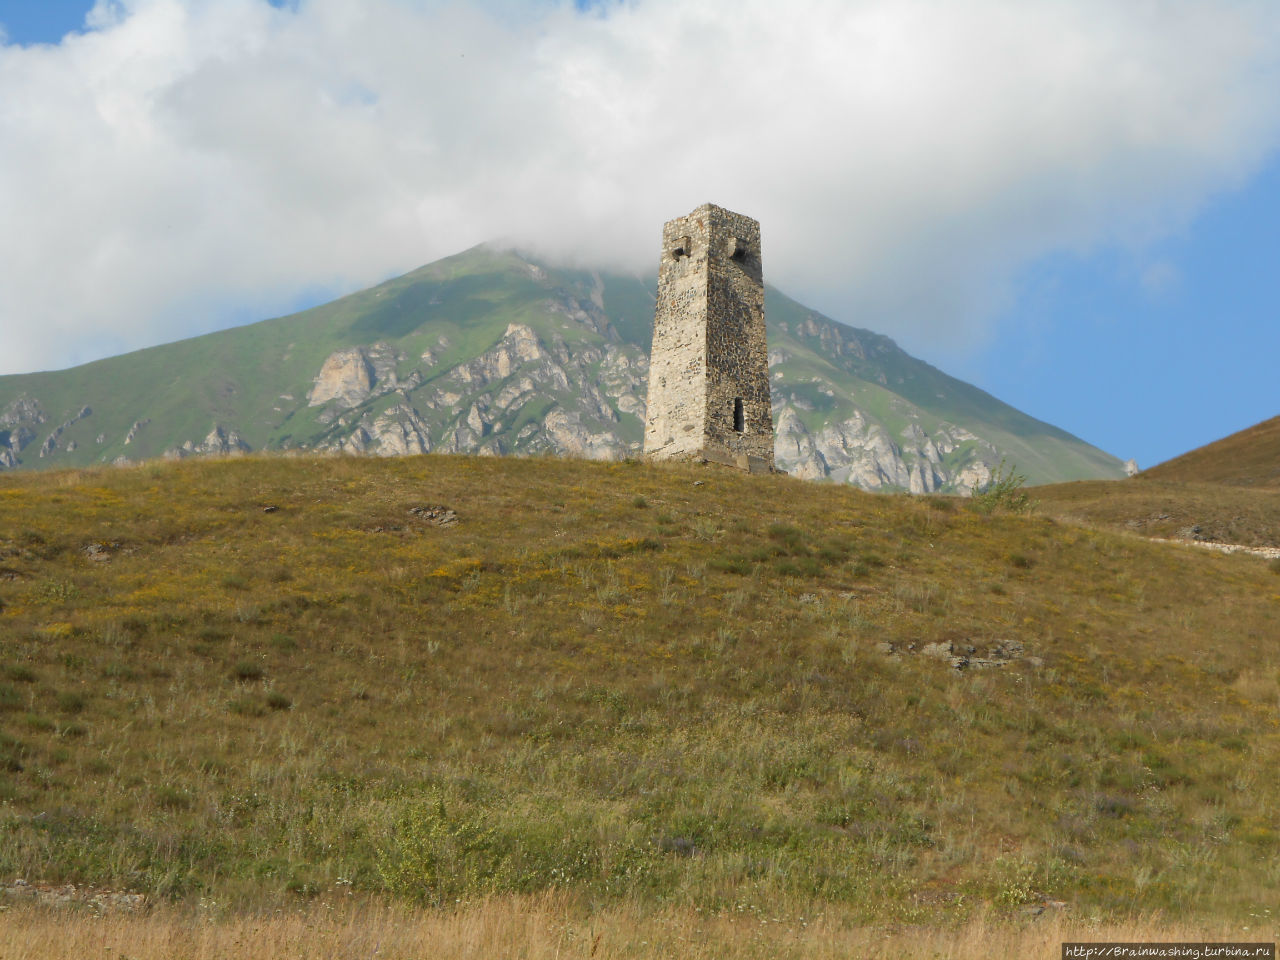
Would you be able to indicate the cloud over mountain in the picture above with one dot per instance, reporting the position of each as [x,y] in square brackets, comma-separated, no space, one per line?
[181,162]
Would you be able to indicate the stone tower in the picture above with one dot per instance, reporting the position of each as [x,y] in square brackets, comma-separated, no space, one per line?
[709,368]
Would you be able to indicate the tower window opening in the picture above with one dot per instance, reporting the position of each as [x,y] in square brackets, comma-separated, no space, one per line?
[739,421]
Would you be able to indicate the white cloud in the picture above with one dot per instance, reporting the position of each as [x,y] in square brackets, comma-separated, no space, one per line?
[187,161]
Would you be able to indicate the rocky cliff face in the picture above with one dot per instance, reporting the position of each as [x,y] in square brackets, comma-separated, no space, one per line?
[19,422]
[525,395]
[865,454]
[522,395]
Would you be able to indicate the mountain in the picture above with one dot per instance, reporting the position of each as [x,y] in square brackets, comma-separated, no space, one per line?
[1250,457]
[494,353]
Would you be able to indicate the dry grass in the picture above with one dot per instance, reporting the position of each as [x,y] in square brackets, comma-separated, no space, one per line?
[548,926]
[651,688]
[1171,509]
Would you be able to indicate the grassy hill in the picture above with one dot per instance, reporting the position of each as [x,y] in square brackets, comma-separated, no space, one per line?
[1224,492]
[1249,458]
[446,375]
[434,679]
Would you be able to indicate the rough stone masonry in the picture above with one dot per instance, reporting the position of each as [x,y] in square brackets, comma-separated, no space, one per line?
[709,367]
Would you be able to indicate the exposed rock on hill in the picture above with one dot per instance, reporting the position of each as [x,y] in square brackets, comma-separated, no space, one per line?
[346,378]
[18,423]
[219,442]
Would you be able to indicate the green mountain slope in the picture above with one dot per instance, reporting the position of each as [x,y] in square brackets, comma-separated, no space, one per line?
[491,352]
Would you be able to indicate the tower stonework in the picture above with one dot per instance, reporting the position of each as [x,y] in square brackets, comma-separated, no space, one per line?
[709,367]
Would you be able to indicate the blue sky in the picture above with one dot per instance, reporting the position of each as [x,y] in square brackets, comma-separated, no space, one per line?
[42,21]
[1101,255]
[1153,353]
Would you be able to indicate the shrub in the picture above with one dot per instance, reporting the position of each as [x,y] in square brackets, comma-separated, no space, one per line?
[36,722]
[1004,492]
[20,673]
[12,753]
[282,641]
[738,565]
[278,701]
[246,671]
[9,698]
[249,707]
[789,537]
[71,702]
[171,798]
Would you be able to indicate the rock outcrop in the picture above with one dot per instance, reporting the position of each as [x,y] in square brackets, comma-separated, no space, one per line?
[51,442]
[863,453]
[220,441]
[18,423]
[345,378]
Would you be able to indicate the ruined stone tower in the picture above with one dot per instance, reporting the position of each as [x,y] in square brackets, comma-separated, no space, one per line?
[709,367]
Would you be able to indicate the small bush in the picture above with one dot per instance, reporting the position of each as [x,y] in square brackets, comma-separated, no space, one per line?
[706,528]
[58,591]
[834,551]
[249,707]
[71,702]
[1004,492]
[788,536]
[246,671]
[135,626]
[738,565]
[36,722]
[20,673]
[278,701]
[171,798]
[9,697]
[12,753]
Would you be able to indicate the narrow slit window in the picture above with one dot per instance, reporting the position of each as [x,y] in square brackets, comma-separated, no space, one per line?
[739,421]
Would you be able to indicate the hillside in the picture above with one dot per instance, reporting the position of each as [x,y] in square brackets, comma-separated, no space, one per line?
[490,352]
[1222,493]
[1250,458]
[433,679]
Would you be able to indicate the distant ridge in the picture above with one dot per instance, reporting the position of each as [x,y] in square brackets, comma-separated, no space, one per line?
[1250,457]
